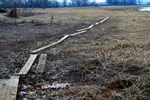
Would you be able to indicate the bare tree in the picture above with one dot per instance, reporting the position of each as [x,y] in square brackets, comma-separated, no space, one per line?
[139,2]
[73,2]
[2,6]
[44,4]
[122,2]
[3,3]
[13,8]
[85,2]
[31,2]
[93,3]
[76,2]
[64,3]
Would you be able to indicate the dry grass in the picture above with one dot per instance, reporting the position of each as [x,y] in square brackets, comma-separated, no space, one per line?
[110,62]
[119,58]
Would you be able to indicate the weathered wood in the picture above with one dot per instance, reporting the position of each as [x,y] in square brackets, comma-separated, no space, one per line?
[28,64]
[83,29]
[41,64]
[91,26]
[104,20]
[74,34]
[3,88]
[50,45]
[86,28]
[63,38]
[96,23]
[12,88]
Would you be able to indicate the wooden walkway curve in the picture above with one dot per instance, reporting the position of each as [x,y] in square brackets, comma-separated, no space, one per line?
[67,36]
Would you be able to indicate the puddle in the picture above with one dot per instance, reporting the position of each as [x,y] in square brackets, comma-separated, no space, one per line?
[144,9]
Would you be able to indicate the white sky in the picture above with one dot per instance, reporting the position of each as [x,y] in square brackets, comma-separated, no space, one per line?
[100,0]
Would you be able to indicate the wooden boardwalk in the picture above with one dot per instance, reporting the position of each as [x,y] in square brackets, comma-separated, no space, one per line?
[9,87]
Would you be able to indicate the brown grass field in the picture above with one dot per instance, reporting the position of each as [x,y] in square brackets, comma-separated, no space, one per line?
[109,62]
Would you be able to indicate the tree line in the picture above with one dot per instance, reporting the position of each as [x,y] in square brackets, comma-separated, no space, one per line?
[45,3]
[123,2]
[12,5]
[65,3]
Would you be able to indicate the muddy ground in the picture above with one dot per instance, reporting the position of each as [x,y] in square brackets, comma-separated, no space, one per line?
[109,62]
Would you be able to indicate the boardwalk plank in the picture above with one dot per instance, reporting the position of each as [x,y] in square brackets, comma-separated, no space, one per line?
[28,64]
[3,88]
[74,34]
[50,45]
[41,64]
[8,88]
[12,88]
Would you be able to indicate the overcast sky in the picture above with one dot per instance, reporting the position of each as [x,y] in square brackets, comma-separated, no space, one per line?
[146,0]
[100,0]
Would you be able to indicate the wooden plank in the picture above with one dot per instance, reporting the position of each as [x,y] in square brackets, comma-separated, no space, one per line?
[28,64]
[12,88]
[91,26]
[74,34]
[83,29]
[3,88]
[86,28]
[50,45]
[62,39]
[96,23]
[106,18]
[43,48]
[41,64]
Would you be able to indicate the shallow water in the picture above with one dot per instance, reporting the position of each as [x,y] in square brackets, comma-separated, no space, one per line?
[144,9]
